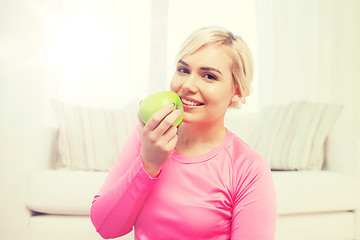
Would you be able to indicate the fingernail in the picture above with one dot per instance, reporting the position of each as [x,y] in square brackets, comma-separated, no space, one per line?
[171,105]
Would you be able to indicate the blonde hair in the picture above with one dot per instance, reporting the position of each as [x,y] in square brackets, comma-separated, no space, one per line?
[242,68]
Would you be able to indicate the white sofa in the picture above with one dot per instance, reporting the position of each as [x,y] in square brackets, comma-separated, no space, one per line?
[321,205]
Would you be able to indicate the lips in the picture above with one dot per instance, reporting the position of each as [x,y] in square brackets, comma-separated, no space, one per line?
[191,101]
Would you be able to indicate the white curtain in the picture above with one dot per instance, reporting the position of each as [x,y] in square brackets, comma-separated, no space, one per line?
[309,50]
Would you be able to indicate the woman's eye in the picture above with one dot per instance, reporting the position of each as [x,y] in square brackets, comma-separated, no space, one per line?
[183,70]
[210,76]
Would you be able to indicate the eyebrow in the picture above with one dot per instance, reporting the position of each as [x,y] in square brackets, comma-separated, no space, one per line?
[202,68]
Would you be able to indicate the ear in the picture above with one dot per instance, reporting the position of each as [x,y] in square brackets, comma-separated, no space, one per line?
[235,98]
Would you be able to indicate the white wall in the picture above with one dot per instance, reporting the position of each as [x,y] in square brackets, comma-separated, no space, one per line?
[355,59]
[21,78]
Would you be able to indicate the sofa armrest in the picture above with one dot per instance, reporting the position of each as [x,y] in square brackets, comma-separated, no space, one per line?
[342,154]
[21,150]
[44,148]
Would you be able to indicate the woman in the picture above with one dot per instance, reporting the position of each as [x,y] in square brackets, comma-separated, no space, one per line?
[198,180]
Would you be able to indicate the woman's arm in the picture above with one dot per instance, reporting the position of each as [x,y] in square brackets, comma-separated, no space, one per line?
[134,174]
[255,209]
[123,193]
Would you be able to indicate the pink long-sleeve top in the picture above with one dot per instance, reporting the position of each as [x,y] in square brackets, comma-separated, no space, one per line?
[227,193]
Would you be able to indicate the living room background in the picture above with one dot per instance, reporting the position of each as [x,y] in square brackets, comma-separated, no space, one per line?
[105,53]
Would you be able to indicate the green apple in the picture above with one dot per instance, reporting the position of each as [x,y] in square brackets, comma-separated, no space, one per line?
[154,102]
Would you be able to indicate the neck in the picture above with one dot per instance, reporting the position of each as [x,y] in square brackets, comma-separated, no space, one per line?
[198,138]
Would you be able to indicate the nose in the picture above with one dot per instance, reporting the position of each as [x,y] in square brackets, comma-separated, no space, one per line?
[189,85]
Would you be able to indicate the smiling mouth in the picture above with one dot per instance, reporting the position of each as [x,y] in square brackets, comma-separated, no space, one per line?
[191,103]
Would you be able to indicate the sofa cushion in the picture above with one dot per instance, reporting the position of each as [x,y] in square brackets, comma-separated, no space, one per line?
[90,138]
[63,191]
[292,136]
[314,191]
[316,226]
[71,192]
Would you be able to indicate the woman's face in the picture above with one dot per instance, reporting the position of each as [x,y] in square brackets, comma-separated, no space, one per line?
[203,80]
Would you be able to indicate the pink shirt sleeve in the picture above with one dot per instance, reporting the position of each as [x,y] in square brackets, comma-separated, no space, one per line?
[123,193]
[254,210]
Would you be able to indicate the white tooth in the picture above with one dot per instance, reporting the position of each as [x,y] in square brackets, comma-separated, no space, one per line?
[187,102]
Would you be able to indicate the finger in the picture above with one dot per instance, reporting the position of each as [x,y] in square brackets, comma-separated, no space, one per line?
[168,121]
[157,117]
[169,134]
[169,139]
[172,142]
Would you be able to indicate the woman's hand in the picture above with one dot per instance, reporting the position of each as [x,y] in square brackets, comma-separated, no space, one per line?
[158,138]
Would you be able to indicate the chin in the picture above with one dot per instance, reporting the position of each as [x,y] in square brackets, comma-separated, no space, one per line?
[195,121]
[186,120]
